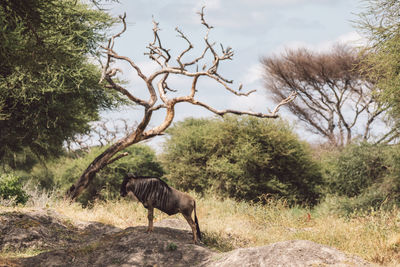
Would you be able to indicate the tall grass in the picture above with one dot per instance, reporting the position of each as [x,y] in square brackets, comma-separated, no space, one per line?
[228,224]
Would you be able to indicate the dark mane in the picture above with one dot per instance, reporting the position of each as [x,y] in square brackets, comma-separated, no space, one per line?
[148,188]
[130,176]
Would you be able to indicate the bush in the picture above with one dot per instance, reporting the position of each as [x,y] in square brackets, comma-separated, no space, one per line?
[366,177]
[11,188]
[63,172]
[241,157]
[106,185]
[23,161]
[355,168]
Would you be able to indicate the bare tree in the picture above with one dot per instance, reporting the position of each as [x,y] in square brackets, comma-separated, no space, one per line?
[334,98]
[158,89]
[102,133]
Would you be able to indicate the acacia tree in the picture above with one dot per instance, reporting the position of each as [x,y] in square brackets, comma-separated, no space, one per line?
[49,90]
[158,88]
[380,25]
[335,98]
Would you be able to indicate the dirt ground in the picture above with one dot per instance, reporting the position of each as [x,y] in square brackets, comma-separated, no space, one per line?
[54,240]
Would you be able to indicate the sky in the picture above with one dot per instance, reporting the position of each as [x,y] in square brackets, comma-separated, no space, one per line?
[253,28]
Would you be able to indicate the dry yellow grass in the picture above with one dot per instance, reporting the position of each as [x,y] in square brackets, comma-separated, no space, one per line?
[374,237]
[228,224]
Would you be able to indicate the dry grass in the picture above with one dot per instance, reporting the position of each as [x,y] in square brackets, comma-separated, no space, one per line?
[228,224]
[374,237]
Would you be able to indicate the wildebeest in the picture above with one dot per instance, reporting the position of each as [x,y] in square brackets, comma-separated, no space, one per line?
[155,193]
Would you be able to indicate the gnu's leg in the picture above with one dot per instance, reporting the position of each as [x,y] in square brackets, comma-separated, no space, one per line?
[192,225]
[150,218]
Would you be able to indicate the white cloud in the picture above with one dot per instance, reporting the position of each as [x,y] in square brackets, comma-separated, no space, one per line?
[253,74]
[351,38]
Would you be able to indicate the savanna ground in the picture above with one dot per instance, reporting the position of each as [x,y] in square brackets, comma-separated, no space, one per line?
[228,224]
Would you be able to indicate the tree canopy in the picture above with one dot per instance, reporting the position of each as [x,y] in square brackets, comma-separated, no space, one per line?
[380,24]
[335,97]
[49,89]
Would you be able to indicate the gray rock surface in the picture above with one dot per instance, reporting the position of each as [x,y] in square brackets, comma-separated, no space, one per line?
[288,254]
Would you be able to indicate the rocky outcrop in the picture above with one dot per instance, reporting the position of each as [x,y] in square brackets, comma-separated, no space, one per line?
[288,253]
[58,241]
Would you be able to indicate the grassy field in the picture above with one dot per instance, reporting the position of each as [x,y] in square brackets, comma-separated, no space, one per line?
[227,224]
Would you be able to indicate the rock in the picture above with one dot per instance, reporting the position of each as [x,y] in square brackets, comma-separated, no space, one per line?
[45,230]
[66,243]
[61,242]
[173,223]
[286,254]
[129,247]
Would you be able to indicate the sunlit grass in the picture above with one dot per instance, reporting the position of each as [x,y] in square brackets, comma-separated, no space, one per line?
[228,224]
[374,237]
[21,253]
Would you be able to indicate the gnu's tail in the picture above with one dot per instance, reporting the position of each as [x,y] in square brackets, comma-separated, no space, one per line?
[197,222]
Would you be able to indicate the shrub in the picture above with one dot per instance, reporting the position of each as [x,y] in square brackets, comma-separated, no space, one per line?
[365,176]
[106,185]
[241,157]
[11,188]
[63,172]
[355,168]
[22,160]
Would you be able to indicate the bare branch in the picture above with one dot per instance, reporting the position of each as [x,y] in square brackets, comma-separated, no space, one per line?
[156,50]
[112,54]
[125,92]
[117,157]
[285,101]
[231,111]
[197,59]
[110,46]
[201,13]
[161,56]
[190,46]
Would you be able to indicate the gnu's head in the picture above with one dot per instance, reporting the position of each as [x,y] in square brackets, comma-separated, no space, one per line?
[122,190]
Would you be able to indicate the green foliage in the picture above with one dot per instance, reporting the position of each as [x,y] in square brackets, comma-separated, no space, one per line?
[364,177]
[10,188]
[172,246]
[241,157]
[24,160]
[354,169]
[63,172]
[380,23]
[49,90]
